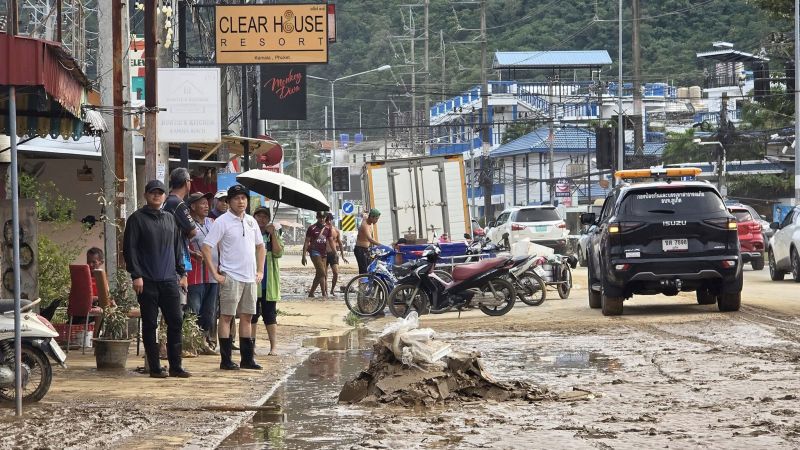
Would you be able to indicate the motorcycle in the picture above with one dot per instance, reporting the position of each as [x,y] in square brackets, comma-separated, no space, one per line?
[529,285]
[38,343]
[482,283]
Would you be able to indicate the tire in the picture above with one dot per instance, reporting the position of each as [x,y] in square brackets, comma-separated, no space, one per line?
[705,297]
[581,257]
[499,286]
[729,302]
[406,298]
[531,289]
[758,263]
[365,295]
[39,375]
[795,266]
[774,273]
[612,306]
[565,288]
[595,298]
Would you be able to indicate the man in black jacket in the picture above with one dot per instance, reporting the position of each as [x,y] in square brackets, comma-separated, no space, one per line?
[153,250]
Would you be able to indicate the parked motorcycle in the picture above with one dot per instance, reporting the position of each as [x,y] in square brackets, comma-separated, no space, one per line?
[38,342]
[482,284]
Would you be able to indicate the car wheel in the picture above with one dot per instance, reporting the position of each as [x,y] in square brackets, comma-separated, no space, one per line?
[774,273]
[758,263]
[612,306]
[795,266]
[595,299]
[729,302]
[581,257]
[705,297]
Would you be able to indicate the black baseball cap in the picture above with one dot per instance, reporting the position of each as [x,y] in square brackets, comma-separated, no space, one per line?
[237,189]
[152,185]
[195,196]
[262,210]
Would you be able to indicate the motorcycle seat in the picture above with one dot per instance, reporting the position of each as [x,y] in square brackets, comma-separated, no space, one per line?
[7,304]
[466,271]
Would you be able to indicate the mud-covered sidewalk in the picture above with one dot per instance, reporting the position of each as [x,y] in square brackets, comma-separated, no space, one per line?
[90,409]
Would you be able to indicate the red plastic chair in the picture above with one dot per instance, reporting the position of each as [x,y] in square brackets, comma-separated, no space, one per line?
[80,300]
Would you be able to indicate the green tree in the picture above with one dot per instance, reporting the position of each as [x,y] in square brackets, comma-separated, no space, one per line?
[781,9]
[516,130]
[766,187]
[775,111]
[317,176]
[681,148]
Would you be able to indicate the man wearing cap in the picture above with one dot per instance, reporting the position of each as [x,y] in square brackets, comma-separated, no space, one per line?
[180,183]
[153,253]
[220,204]
[364,240]
[203,288]
[241,268]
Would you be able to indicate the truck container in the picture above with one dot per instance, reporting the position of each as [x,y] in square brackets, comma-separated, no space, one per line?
[424,196]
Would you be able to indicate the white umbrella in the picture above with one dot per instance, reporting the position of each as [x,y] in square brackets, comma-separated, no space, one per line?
[284,189]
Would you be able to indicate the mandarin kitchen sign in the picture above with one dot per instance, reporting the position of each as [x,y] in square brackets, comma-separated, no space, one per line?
[272,34]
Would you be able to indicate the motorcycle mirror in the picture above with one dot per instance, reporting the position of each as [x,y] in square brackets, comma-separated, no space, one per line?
[588,218]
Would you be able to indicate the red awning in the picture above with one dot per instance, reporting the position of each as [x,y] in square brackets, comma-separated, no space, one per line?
[51,87]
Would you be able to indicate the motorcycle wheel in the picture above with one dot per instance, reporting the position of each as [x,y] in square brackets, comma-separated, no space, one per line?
[37,375]
[531,289]
[566,275]
[499,286]
[365,295]
[406,298]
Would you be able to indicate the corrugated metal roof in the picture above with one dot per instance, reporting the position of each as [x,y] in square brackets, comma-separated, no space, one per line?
[555,58]
[567,140]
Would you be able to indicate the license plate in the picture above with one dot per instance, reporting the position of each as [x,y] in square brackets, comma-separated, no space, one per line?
[541,228]
[675,245]
[60,355]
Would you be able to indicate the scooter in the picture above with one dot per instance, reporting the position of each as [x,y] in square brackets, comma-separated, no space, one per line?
[482,283]
[38,342]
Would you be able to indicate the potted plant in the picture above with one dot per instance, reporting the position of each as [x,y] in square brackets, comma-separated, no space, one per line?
[111,347]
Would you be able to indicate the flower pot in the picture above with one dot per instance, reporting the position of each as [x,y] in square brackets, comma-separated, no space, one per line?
[111,354]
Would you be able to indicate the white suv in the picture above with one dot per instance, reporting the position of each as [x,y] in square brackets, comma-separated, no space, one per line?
[784,247]
[541,224]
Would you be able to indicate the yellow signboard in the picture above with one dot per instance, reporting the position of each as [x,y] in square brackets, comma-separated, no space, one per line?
[272,34]
[349,223]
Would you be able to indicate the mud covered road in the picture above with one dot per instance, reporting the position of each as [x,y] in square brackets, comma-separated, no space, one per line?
[669,373]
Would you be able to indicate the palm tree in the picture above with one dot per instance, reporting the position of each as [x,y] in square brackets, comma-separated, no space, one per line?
[318,176]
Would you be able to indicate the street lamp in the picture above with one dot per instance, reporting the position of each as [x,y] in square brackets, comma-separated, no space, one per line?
[333,113]
[722,170]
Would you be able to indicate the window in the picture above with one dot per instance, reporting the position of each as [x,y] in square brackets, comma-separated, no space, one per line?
[788,219]
[742,215]
[608,205]
[686,201]
[537,215]
[503,218]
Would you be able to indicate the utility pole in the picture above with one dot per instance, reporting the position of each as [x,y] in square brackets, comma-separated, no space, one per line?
[412,130]
[427,101]
[550,138]
[486,165]
[182,63]
[120,175]
[620,113]
[444,59]
[723,140]
[245,120]
[326,122]
[297,147]
[150,88]
[638,135]
[796,101]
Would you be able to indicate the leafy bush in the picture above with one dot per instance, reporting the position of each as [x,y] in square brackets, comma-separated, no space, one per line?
[51,205]
[115,324]
[54,261]
[121,291]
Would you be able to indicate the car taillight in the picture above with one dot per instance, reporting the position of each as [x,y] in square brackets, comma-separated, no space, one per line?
[622,227]
[562,225]
[756,227]
[517,227]
[726,223]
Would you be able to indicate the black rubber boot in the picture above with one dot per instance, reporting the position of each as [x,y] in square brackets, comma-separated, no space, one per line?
[153,362]
[247,350]
[225,352]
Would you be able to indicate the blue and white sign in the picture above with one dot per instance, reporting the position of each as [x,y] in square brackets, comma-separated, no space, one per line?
[347,207]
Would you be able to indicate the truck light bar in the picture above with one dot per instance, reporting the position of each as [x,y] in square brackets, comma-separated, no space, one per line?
[657,172]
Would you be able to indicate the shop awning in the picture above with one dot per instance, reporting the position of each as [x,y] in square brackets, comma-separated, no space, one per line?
[50,88]
[235,146]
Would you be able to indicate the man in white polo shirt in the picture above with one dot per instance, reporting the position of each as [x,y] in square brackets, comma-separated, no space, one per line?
[241,263]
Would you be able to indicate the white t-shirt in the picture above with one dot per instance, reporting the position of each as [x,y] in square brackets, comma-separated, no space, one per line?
[237,239]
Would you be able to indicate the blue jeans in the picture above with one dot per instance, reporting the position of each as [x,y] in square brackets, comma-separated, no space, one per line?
[202,300]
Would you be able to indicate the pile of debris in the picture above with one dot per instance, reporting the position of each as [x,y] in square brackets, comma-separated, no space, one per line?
[410,368]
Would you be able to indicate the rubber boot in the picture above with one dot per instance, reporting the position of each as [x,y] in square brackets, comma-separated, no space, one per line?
[247,350]
[153,361]
[225,352]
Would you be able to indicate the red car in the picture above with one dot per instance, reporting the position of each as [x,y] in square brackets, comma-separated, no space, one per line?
[751,238]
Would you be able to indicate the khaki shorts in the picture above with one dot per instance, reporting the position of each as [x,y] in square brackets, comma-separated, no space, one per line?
[237,297]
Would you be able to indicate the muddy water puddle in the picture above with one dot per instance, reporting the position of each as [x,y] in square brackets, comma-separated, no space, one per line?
[303,412]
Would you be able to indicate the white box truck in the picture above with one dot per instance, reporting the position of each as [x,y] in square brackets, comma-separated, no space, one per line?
[426,196]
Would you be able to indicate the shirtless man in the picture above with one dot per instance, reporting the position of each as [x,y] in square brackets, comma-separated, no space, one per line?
[364,240]
[334,245]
